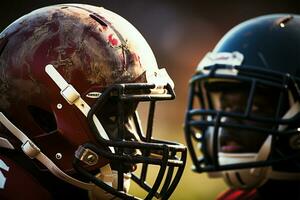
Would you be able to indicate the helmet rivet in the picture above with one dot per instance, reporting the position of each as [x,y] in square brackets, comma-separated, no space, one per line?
[59,106]
[91,158]
[58,156]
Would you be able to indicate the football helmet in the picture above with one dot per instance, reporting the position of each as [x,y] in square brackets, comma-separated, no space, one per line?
[71,78]
[243,115]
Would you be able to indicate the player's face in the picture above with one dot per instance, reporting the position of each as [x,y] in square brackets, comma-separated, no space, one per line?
[234,140]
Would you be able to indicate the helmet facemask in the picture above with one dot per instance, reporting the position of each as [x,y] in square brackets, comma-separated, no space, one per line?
[131,145]
[248,56]
[86,68]
[238,115]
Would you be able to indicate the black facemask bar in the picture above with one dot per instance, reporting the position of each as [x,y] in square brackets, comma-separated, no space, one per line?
[172,156]
[206,116]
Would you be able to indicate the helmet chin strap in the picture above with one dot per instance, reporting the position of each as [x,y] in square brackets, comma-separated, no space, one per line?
[70,94]
[246,178]
[32,151]
[255,177]
[110,177]
[107,175]
[73,98]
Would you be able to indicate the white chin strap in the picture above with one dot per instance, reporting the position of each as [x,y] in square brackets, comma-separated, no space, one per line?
[73,98]
[107,175]
[32,151]
[255,177]
[110,177]
[246,178]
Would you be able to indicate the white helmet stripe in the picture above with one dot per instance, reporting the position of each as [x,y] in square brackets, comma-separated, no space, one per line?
[73,97]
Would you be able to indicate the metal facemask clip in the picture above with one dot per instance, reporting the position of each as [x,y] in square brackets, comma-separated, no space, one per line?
[87,156]
[160,78]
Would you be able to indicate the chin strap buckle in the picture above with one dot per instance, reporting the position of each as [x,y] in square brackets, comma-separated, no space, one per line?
[87,156]
[70,94]
[30,149]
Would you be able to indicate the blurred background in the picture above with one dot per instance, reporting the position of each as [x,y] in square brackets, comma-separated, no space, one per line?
[180,34]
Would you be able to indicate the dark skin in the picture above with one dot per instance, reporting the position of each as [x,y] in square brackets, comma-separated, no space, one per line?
[233,140]
[241,141]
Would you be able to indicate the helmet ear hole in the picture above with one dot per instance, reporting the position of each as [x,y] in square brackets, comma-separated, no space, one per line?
[43,118]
